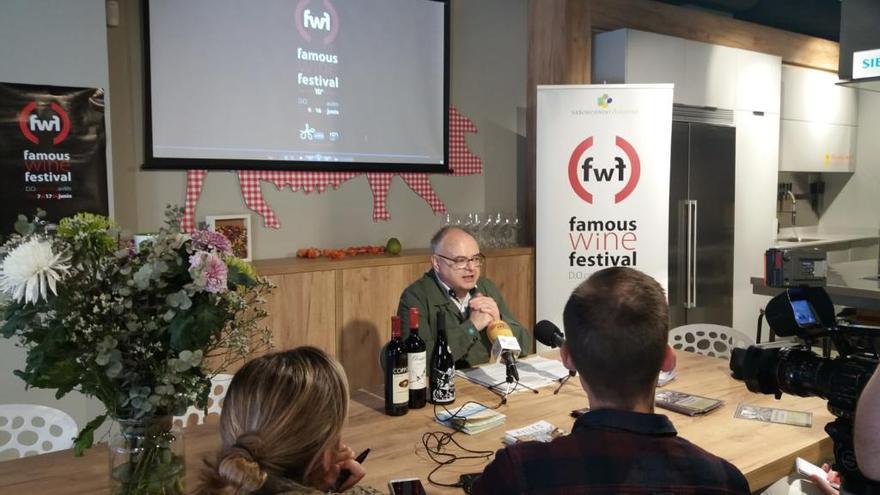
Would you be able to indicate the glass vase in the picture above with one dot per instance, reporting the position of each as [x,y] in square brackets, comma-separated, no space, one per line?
[147,457]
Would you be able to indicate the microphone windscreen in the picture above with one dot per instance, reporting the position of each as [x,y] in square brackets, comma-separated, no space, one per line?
[497,329]
[547,333]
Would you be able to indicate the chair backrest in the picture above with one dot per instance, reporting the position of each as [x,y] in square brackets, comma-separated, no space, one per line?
[31,429]
[708,339]
[196,416]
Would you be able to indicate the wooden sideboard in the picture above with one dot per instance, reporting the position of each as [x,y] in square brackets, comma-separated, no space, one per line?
[344,307]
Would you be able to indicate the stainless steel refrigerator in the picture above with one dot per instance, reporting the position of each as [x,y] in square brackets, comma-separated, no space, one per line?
[701,217]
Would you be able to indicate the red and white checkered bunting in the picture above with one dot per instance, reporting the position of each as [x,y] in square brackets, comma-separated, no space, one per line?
[461,161]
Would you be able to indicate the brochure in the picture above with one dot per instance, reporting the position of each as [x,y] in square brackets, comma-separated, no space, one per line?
[685,403]
[471,418]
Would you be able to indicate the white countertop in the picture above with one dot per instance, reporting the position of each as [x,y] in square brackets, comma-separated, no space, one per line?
[822,237]
[852,283]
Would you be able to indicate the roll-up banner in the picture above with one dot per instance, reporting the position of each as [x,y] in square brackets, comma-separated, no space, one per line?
[602,185]
[52,152]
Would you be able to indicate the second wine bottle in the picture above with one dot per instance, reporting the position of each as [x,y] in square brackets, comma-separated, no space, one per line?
[416,361]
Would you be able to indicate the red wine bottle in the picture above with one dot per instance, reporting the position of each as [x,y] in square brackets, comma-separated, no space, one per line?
[442,366]
[416,362]
[396,373]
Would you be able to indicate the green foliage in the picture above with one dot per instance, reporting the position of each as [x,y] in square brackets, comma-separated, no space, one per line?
[133,329]
[86,436]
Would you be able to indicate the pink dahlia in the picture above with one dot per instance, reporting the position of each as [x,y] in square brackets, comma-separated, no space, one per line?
[208,271]
[208,239]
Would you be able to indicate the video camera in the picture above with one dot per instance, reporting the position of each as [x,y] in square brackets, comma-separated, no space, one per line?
[805,311]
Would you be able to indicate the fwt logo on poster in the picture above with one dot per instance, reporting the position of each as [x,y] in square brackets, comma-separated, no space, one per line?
[31,122]
[581,173]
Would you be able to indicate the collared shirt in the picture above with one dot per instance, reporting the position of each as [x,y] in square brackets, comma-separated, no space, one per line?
[611,451]
[461,304]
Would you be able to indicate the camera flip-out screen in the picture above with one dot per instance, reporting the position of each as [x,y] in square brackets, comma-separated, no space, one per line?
[803,313]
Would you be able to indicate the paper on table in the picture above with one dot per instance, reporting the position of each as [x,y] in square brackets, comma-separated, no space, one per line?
[541,431]
[534,371]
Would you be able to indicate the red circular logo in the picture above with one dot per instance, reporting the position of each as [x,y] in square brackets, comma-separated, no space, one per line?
[30,122]
[578,176]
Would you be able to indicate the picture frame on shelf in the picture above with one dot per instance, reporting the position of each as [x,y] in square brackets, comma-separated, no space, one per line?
[236,228]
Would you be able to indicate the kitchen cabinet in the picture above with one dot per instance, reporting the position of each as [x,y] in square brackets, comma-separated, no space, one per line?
[816,147]
[704,75]
[812,95]
[819,122]
[757,154]
[710,76]
[630,56]
[758,81]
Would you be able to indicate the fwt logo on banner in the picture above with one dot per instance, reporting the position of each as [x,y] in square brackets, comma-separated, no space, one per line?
[323,21]
[31,122]
[588,172]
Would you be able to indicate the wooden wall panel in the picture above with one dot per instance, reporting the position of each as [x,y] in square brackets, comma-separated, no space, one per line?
[302,310]
[515,278]
[559,53]
[344,307]
[368,297]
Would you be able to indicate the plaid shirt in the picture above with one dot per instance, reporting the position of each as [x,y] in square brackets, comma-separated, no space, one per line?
[609,451]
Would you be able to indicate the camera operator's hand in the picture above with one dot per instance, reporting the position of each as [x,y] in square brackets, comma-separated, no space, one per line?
[824,483]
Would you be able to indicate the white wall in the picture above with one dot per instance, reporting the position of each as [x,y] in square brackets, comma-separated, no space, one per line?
[59,42]
[488,85]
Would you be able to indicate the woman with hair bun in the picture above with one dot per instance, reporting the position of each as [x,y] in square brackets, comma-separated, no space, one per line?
[281,429]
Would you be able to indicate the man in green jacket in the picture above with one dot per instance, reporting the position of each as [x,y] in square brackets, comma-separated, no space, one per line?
[454,286]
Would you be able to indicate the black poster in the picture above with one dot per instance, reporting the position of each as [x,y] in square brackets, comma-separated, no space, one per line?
[52,152]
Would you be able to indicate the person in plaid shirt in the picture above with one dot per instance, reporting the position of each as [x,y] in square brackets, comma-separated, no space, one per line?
[616,325]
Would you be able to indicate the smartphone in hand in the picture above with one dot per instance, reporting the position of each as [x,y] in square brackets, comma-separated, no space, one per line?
[807,469]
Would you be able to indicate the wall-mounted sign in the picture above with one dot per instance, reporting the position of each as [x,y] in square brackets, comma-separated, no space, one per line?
[52,152]
[866,63]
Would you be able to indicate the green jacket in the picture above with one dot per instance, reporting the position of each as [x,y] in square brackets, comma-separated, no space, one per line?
[469,346]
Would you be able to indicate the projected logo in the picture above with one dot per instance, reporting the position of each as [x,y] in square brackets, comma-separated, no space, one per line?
[604,100]
[314,18]
[586,174]
[34,123]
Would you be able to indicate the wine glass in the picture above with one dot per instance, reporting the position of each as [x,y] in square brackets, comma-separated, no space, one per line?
[516,227]
[488,231]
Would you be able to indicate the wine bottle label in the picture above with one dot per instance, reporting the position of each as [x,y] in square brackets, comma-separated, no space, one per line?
[417,364]
[400,385]
[443,385]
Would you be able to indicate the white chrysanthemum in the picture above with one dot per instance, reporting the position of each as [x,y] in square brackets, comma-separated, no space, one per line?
[30,270]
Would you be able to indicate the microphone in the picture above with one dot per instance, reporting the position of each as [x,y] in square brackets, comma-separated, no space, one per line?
[505,347]
[547,333]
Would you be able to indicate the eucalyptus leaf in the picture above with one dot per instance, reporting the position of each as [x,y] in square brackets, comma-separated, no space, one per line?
[86,436]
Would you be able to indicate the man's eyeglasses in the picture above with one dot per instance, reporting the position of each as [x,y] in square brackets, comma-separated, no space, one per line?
[460,263]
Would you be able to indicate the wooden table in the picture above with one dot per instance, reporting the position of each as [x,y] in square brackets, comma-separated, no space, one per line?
[764,452]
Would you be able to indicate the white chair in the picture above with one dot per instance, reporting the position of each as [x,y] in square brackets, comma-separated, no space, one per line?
[30,429]
[196,416]
[708,339]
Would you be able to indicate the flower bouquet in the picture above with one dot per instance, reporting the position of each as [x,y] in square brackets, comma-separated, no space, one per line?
[135,328]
